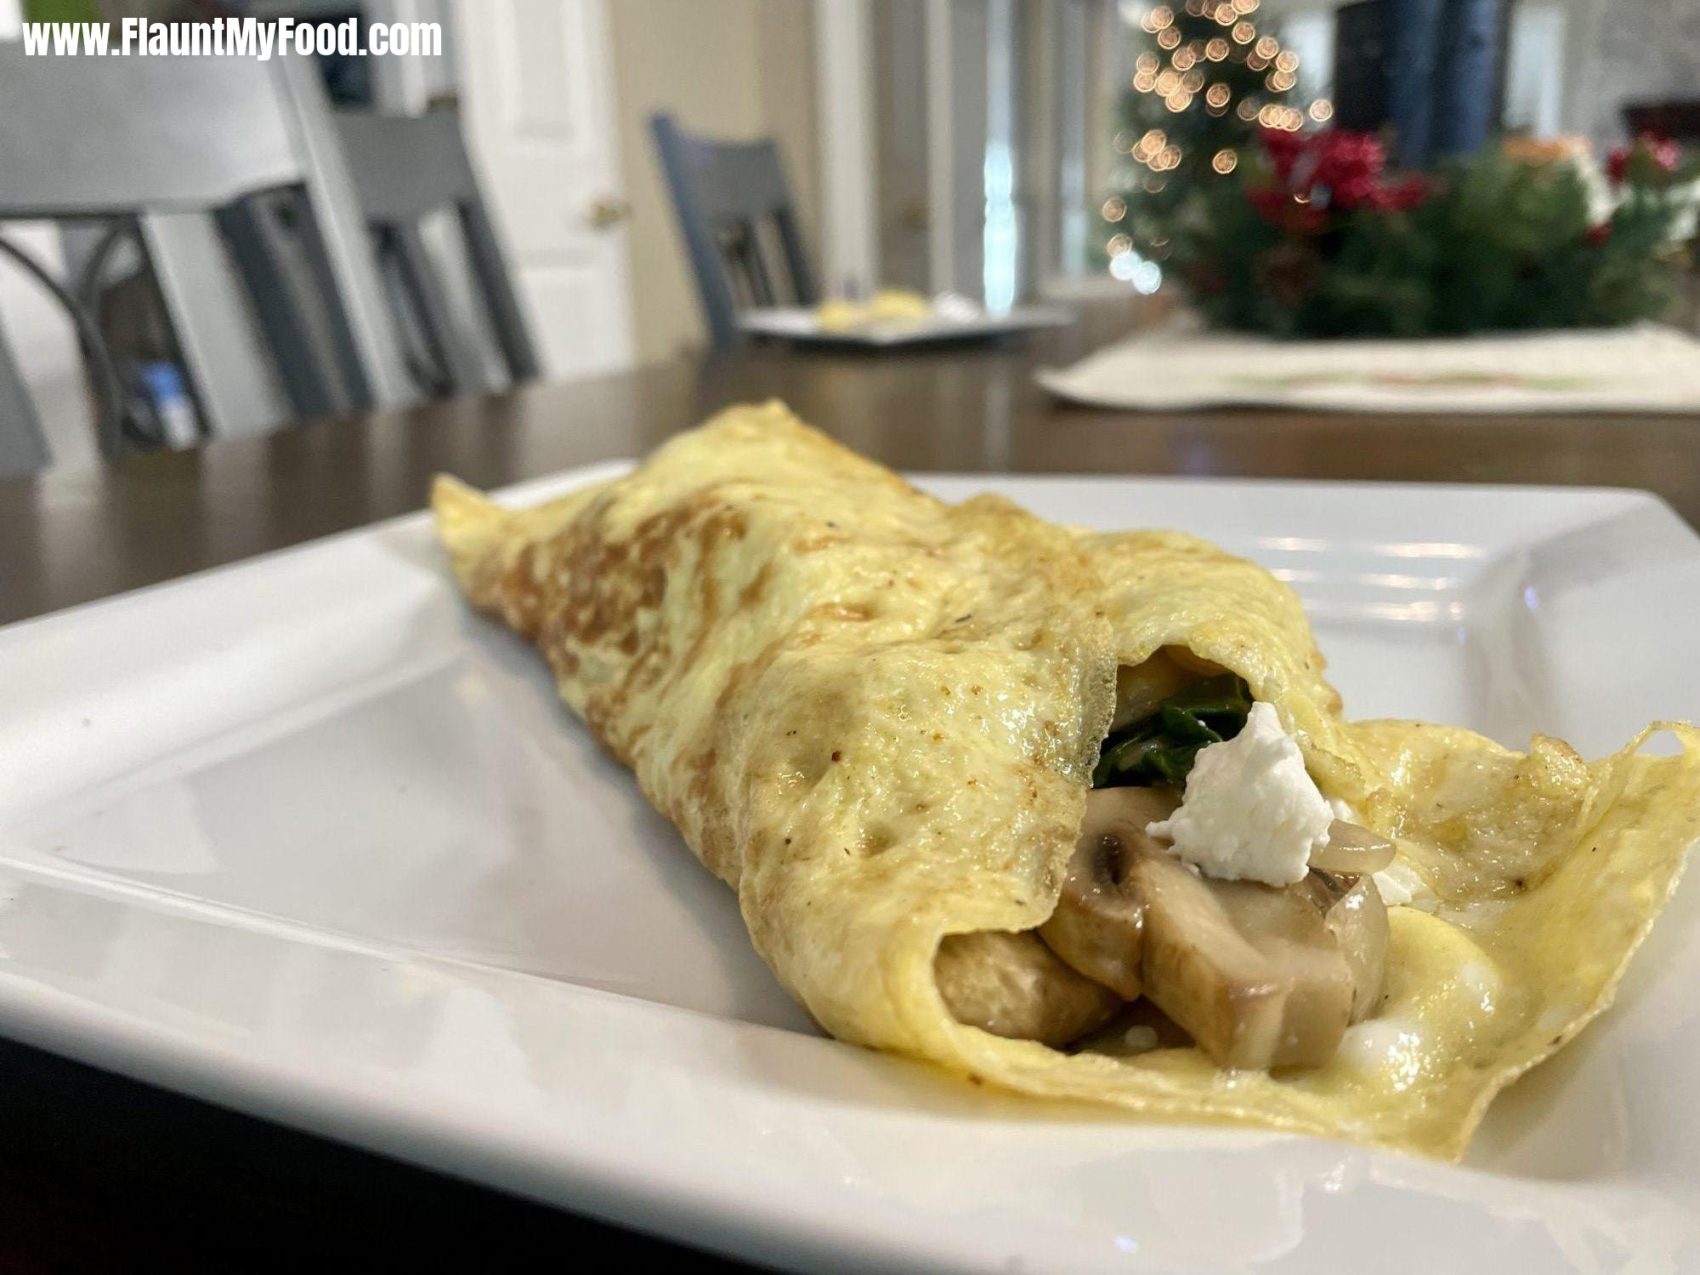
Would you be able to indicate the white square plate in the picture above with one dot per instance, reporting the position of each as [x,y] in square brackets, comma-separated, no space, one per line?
[798,324]
[304,837]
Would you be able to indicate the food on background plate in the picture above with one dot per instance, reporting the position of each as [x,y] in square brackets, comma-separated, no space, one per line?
[887,306]
[1075,814]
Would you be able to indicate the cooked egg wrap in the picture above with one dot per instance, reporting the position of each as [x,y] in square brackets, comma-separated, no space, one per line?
[1533,876]
[876,717]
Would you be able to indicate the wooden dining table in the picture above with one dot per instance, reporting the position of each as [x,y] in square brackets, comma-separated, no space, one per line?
[87,533]
[97,1170]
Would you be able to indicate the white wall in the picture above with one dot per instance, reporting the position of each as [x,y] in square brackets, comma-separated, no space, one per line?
[1618,51]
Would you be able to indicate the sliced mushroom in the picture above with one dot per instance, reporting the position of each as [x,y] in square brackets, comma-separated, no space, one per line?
[1254,973]
[1352,850]
[1259,976]
[1013,985]
[1199,969]
[1292,933]
[1100,918]
[1358,917]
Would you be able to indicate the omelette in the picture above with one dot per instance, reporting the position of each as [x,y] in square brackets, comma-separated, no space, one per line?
[1075,814]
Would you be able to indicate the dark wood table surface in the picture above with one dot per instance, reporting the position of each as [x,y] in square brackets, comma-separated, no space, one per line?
[69,538]
[98,1171]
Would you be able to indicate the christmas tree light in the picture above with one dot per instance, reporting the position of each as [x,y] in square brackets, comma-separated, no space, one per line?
[1208,80]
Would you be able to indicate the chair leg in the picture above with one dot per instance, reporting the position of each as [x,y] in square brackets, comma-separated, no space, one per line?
[436,316]
[234,385]
[796,258]
[494,285]
[343,235]
[749,247]
[22,448]
[719,309]
[289,284]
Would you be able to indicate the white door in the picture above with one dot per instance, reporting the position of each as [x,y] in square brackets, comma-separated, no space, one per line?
[537,101]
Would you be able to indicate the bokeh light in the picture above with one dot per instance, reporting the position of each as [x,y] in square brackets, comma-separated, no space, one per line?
[1145,276]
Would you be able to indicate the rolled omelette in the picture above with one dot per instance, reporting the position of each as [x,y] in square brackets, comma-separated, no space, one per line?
[876,716]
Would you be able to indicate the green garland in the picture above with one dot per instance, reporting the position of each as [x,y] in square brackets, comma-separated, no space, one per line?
[1315,240]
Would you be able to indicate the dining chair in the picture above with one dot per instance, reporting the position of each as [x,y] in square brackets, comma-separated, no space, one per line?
[406,169]
[739,223]
[230,177]
[23,450]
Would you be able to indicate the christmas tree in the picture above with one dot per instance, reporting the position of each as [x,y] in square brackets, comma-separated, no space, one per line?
[1206,81]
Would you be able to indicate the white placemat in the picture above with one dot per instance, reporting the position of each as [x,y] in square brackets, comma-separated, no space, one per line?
[1647,368]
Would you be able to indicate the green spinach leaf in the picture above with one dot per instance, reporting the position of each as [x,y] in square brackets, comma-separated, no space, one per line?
[1162,748]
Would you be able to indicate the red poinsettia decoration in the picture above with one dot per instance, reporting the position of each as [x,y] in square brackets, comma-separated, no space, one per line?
[1649,158]
[1322,173]
[1313,236]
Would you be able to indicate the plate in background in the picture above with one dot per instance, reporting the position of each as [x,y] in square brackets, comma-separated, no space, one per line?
[304,837]
[798,324]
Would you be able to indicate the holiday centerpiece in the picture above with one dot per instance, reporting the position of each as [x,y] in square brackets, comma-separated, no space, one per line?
[1521,276]
[1519,279]
[1290,233]
[1312,235]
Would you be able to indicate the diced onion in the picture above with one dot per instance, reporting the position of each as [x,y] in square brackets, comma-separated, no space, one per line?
[1352,850]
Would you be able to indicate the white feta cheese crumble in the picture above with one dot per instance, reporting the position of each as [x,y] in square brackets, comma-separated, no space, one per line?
[1400,886]
[1251,812]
